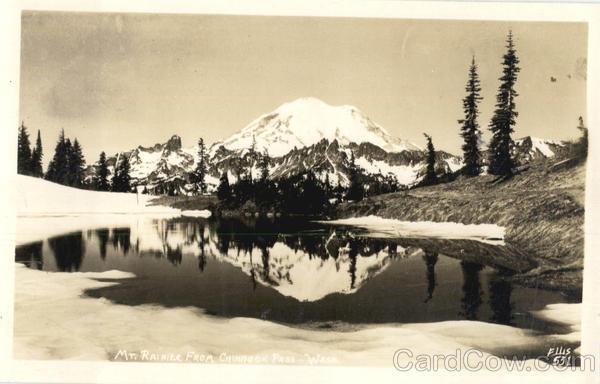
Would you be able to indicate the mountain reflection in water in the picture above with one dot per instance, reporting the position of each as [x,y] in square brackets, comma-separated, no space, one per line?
[292,271]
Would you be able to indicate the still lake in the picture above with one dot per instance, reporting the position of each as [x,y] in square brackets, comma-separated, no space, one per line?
[292,271]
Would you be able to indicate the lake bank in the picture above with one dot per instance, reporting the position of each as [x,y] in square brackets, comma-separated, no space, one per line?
[541,210]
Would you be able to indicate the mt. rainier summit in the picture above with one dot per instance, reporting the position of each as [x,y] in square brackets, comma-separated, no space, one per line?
[307,121]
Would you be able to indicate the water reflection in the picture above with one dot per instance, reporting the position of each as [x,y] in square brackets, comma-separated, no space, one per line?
[289,271]
[121,239]
[430,259]
[68,251]
[30,255]
[472,291]
[500,301]
[103,237]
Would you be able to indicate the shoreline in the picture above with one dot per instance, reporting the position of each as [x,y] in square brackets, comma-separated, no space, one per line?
[545,223]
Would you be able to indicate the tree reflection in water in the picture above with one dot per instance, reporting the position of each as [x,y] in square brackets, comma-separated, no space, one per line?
[472,291]
[430,259]
[68,251]
[103,236]
[30,255]
[500,291]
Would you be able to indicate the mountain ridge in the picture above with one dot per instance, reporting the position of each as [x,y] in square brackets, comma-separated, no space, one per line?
[297,143]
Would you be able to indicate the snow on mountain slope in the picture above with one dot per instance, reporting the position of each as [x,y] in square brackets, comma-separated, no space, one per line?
[531,148]
[307,121]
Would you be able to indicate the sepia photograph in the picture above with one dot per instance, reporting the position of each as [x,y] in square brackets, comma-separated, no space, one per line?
[284,190]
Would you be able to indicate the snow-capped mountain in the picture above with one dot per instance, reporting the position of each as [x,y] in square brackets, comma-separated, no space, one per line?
[160,163]
[306,134]
[307,121]
[531,148]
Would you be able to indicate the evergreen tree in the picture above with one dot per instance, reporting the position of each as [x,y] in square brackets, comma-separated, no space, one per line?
[121,179]
[23,152]
[102,180]
[224,190]
[312,195]
[582,144]
[430,176]
[69,152]
[469,127]
[264,166]
[356,191]
[76,164]
[36,157]
[199,175]
[500,158]
[58,167]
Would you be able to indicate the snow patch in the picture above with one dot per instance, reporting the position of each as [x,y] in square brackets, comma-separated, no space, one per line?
[405,174]
[569,314]
[197,213]
[445,230]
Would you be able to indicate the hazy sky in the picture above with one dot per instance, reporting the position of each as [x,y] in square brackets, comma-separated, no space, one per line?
[116,81]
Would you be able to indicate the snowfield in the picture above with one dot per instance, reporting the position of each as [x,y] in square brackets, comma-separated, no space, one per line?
[53,320]
[36,196]
[49,209]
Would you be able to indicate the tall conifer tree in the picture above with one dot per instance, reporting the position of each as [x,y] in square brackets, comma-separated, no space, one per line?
[430,176]
[36,157]
[469,126]
[500,157]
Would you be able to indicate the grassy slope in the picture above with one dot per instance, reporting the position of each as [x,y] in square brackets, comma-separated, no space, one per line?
[541,208]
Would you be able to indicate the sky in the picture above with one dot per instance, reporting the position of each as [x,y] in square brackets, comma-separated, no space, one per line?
[116,81]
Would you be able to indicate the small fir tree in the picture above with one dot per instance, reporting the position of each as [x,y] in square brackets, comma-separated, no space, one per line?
[356,191]
[121,179]
[199,175]
[224,189]
[23,152]
[102,180]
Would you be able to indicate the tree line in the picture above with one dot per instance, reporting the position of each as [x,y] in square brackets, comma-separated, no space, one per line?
[68,164]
